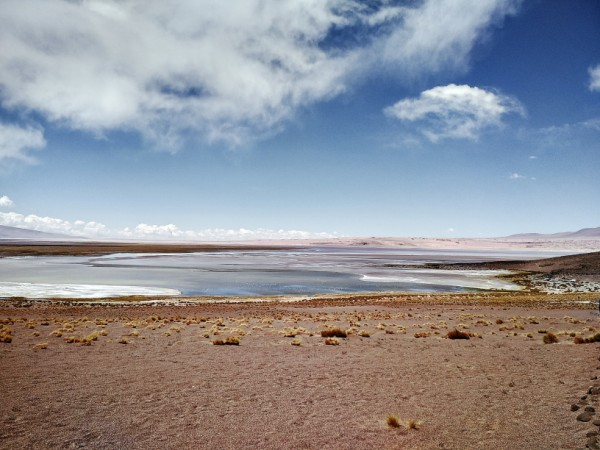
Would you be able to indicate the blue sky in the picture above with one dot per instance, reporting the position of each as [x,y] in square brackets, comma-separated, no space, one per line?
[268,118]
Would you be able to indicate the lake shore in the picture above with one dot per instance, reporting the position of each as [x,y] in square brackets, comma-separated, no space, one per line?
[319,371]
[140,375]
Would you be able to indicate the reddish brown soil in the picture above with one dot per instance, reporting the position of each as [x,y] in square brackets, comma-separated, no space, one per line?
[169,387]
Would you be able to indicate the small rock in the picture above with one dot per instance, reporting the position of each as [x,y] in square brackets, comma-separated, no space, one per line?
[584,397]
[596,422]
[590,409]
[595,377]
[584,417]
[592,444]
[511,384]
[574,407]
[594,390]
[592,433]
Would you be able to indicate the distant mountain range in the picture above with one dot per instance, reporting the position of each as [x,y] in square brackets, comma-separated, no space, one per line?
[24,234]
[584,233]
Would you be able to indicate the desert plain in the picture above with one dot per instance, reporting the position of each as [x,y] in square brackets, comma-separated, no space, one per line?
[342,371]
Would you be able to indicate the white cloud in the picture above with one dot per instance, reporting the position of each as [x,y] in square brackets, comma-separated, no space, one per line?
[5,201]
[53,225]
[92,229]
[226,71]
[518,176]
[455,111]
[595,78]
[16,141]
[440,34]
[568,134]
[170,231]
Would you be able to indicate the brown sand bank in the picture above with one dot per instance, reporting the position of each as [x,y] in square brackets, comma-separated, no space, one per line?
[150,376]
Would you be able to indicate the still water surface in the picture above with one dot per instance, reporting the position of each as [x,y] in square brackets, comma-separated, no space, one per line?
[250,273]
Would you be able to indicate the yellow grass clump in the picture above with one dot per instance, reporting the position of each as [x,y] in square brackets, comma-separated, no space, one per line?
[334,332]
[332,341]
[231,340]
[5,334]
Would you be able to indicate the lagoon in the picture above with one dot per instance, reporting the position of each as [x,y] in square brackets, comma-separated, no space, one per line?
[305,271]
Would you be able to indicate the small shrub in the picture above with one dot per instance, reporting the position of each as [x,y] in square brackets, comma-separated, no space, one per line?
[123,341]
[393,421]
[389,331]
[41,346]
[455,334]
[413,424]
[296,341]
[364,333]
[334,333]
[588,340]
[499,321]
[550,338]
[422,334]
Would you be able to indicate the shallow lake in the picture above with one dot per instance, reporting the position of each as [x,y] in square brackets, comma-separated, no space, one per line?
[307,271]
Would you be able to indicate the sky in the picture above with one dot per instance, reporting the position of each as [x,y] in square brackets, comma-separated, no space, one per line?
[247,119]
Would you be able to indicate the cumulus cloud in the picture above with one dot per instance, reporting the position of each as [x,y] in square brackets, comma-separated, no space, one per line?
[53,225]
[172,232]
[455,111]
[5,201]
[595,78]
[226,71]
[16,142]
[144,231]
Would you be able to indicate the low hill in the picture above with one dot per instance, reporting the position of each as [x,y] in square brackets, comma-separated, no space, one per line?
[584,233]
[21,234]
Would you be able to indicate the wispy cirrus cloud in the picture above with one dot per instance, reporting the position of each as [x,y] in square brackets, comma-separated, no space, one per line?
[518,176]
[16,142]
[224,71]
[455,111]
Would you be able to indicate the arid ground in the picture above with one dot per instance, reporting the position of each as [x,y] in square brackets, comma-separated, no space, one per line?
[151,377]
[99,375]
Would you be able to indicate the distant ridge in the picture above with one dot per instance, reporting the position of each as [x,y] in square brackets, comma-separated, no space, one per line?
[584,233]
[14,233]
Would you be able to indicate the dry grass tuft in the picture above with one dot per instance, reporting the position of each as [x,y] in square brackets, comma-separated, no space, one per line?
[334,333]
[332,341]
[422,334]
[5,334]
[455,334]
[413,424]
[550,338]
[364,333]
[41,346]
[392,421]
[296,341]
[231,340]
[588,340]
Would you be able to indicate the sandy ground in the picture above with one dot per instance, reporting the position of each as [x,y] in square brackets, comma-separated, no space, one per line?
[152,378]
